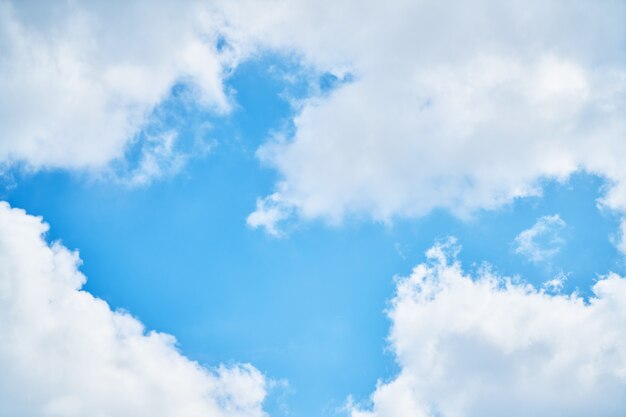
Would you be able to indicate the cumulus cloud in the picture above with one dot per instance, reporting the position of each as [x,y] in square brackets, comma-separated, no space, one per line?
[66,353]
[486,346]
[542,241]
[462,105]
[80,79]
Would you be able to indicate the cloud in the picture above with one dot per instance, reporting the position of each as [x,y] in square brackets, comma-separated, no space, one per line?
[556,283]
[269,214]
[542,241]
[486,346]
[462,106]
[80,80]
[159,157]
[66,353]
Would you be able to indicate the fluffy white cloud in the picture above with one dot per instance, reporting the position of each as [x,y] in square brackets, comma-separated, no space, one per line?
[461,105]
[485,346]
[65,353]
[543,240]
[79,79]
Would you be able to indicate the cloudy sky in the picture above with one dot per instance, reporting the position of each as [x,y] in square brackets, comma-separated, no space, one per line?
[298,208]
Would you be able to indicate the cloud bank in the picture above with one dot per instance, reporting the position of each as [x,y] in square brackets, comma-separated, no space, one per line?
[482,346]
[79,80]
[65,353]
[463,105]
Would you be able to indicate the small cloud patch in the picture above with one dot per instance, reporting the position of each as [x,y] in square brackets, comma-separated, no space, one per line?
[543,240]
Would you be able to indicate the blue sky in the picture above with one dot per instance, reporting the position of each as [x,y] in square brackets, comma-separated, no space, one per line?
[307,309]
[329,147]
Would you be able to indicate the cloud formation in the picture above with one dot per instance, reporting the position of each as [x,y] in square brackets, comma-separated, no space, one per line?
[65,353]
[483,346]
[542,241]
[462,106]
[80,79]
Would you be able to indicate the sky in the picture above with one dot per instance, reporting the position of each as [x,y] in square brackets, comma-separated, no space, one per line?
[292,208]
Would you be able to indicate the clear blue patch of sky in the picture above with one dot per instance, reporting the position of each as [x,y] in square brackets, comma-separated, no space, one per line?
[308,308]
[587,251]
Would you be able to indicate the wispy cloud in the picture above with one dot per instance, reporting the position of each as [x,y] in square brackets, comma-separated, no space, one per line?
[543,240]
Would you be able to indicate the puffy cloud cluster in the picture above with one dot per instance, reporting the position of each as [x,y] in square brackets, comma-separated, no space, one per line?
[464,106]
[486,346]
[80,79]
[64,352]
[460,105]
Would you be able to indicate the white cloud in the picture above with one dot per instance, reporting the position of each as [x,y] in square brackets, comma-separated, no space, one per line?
[484,346]
[463,106]
[269,214]
[542,241]
[65,353]
[80,79]
[460,105]
[556,283]
[159,157]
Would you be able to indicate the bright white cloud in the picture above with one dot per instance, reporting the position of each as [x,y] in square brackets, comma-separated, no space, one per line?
[464,106]
[461,105]
[65,353]
[485,346]
[542,241]
[79,79]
